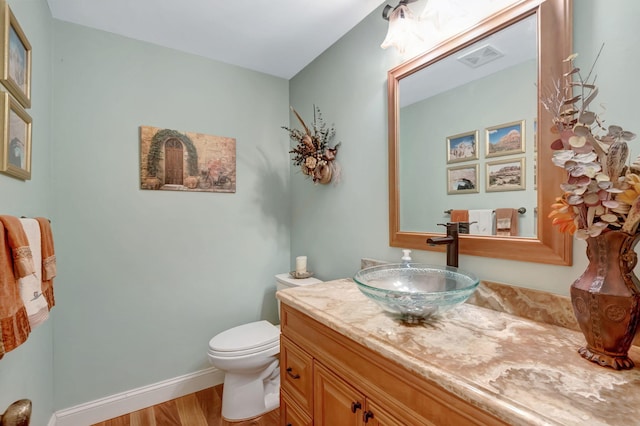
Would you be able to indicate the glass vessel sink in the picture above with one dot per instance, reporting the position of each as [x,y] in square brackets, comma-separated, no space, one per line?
[413,291]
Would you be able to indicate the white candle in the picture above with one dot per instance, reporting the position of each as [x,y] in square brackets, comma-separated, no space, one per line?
[301,265]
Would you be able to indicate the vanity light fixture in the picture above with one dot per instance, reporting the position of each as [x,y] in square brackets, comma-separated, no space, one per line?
[402,26]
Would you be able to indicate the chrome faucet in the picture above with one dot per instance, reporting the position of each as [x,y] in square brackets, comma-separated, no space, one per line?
[451,241]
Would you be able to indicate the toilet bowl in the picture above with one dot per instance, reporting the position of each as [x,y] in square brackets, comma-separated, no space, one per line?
[248,355]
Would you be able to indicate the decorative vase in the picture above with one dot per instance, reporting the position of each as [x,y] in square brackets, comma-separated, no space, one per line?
[606,299]
[323,174]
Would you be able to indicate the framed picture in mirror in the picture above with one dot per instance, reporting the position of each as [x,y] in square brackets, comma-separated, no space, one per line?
[505,139]
[15,131]
[462,147]
[462,179]
[505,175]
[15,70]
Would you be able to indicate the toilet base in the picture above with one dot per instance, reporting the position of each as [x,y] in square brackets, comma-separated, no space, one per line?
[245,396]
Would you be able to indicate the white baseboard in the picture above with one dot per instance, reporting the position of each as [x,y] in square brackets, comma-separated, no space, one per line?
[136,399]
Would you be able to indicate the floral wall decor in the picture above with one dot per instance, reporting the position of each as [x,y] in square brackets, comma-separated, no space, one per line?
[313,152]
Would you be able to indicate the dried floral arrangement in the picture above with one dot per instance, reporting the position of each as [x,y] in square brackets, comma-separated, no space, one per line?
[602,192]
[313,152]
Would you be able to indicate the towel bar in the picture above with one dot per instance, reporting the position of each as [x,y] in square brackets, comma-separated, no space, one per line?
[26,217]
[521,210]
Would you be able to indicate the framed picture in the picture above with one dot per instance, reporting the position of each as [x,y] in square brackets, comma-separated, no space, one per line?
[505,175]
[462,147]
[505,139]
[15,131]
[16,57]
[175,160]
[462,179]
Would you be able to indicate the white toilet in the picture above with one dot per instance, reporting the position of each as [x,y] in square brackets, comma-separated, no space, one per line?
[248,354]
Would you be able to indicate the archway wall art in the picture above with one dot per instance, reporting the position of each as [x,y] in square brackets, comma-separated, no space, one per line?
[186,161]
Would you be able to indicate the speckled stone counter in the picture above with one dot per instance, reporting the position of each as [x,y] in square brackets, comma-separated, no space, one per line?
[522,371]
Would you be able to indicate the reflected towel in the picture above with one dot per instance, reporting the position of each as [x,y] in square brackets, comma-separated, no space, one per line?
[31,284]
[506,222]
[481,222]
[459,215]
[14,322]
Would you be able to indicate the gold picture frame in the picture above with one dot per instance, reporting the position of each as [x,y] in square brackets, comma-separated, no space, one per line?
[462,179]
[505,139]
[16,57]
[462,147]
[15,134]
[506,175]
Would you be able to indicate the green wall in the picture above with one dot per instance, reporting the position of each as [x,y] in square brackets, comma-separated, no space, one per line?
[27,371]
[148,277]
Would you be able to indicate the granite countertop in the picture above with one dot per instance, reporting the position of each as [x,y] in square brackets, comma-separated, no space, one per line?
[522,371]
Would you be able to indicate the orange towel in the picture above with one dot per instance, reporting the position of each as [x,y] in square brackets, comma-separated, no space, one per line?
[459,215]
[14,252]
[48,260]
[506,222]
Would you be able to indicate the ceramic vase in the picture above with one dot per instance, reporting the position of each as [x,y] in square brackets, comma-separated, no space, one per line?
[606,299]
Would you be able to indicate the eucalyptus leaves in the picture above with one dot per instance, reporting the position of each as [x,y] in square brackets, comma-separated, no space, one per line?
[601,192]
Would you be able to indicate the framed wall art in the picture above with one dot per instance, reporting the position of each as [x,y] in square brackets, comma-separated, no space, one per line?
[462,179]
[15,70]
[505,139]
[15,131]
[462,147]
[186,161]
[505,175]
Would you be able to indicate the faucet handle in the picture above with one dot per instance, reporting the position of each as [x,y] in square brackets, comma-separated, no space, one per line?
[451,226]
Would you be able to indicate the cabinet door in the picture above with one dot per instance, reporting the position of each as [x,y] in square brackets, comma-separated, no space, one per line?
[290,415]
[374,415]
[334,401]
[296,374]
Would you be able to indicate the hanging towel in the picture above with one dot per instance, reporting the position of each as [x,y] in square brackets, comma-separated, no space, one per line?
[31,284]
[49,270]
[481,222]
[506,222]
[14,322]
[459,215]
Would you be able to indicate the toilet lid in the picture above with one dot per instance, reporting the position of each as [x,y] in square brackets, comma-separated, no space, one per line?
[247,337]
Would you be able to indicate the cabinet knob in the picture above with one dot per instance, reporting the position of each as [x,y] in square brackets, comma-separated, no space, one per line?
[355,406]
[291,374]
[367,415]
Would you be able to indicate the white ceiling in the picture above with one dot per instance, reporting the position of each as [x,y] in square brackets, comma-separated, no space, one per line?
[518,43]
[275,37]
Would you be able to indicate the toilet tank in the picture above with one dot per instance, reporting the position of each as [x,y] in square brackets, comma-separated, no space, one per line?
[284,281]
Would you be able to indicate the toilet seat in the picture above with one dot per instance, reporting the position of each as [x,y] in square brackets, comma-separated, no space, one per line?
[245,339]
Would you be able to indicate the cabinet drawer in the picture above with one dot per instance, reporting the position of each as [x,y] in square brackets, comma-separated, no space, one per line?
[296,374]
[290,415]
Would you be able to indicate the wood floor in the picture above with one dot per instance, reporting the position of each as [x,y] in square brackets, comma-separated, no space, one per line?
[197,409]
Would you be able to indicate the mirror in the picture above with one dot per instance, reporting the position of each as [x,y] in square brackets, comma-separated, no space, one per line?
[442,156]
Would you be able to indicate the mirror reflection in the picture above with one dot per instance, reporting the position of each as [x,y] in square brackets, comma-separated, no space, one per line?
[467,137]
[445,149]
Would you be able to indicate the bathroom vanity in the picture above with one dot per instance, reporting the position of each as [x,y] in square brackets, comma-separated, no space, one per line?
[345,362]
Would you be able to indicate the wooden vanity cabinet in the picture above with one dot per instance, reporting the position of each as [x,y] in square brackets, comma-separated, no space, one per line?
[338,403]
[327,379]
[290,414]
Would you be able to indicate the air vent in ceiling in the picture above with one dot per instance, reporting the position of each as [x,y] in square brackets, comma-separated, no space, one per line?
[480,56]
